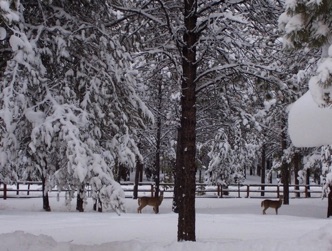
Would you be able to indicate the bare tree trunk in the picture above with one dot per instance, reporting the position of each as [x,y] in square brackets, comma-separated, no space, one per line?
[269,167]
[137,175]
[308,195]
[258,170]
[329,207]
[98,205]
[296,161]
[285,166]
[263,169]
[80,201]
[187,216]
[158,145]
[46,202]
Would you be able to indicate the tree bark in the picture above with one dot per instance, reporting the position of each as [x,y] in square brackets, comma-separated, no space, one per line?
[307,182]
[285,166]
[46,202]
[98,205]
[296,161]
[263,169]
[269,167]
[137,175]
[158,144]
[80,201]
[178,176]
[187,217]
[329,207]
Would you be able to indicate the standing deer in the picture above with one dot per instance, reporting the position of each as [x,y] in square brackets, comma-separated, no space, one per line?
[272,203]
[150,201]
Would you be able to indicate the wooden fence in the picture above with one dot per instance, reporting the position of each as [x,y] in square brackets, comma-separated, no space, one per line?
[34,189]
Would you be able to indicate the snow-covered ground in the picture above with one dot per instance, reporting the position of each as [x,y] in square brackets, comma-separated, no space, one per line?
[221,224]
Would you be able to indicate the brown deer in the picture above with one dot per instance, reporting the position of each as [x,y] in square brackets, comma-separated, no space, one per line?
[150,201]
[272,203]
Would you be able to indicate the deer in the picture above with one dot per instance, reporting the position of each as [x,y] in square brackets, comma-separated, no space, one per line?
[150,201]
[272,204]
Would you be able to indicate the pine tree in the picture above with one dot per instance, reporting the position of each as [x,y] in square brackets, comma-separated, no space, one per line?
[68,101]
[308,24]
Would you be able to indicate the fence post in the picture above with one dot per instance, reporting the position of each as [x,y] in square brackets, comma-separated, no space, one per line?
[278,192]
[221,191]
[238,190]
[152,190]
[248,191]
[17,188]
[28,192]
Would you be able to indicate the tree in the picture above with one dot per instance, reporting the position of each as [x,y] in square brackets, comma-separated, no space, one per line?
[187,145]
[202,40]
[308,25]
[157,77]
[68,101]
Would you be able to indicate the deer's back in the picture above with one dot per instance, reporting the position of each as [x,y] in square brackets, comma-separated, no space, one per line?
[151,201]
[272,203]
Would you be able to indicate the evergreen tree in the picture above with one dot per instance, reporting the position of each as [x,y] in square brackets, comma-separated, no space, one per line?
[68,101]
[308,24]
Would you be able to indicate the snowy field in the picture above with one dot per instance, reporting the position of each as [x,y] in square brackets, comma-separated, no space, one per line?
[221,224]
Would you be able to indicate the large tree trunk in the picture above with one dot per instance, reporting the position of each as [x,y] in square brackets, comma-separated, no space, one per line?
[187,217]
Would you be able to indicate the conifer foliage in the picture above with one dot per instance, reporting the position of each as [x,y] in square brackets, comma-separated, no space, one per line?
[308,24]
[68,105]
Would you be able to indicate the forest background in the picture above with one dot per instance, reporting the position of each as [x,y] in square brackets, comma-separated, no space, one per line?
[92,89]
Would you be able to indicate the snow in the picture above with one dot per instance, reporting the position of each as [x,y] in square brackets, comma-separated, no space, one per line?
[221,224]
[295,23]
[308,124]
[3,33]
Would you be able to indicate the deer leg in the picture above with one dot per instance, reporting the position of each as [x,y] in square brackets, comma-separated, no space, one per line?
[264,211]
[156,209]
[139,209]
[276,210]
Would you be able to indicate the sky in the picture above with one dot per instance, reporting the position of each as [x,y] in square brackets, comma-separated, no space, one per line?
[231,224]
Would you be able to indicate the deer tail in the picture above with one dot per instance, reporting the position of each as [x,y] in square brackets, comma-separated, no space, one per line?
[262,203]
